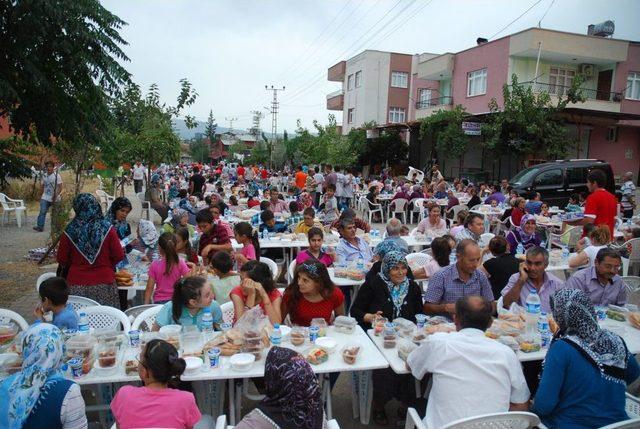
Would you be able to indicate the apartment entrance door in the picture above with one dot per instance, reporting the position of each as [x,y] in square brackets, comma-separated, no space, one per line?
[604,85]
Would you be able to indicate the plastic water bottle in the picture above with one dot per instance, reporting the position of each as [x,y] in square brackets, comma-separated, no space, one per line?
[486,223]
[83,323]
[545,338]
[520,249]
[565,254]
[543,322]
[532,308]
[276,335]
[452,258]
[207,321]
[265,234]
[360,265]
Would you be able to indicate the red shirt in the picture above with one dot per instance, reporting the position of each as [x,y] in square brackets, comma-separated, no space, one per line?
[253,203]
[301,179]
[218,235]
[273,295]
[81,272]
[241,171]
[307,310]
[603,205]
[264,173]
[516,216]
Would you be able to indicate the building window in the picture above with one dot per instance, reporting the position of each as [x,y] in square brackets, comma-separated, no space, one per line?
[350,115]
[350,82]
[424,98]
[477,82]
[399,79]
[633,86]
[560,80]
[358,78]
[612,134]
[396,114]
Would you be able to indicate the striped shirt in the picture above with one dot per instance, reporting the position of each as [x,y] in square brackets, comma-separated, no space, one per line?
[72,411]
[446,286]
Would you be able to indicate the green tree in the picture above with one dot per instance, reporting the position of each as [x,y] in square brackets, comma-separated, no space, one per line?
[210,127]
[529,123]
[261,152]
[61,61]
[15,165]
[444,127]
[200,150]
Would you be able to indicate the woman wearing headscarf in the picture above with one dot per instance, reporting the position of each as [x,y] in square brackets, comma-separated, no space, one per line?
[293,397]
[89,250]
[179,217]
[118,212]
[39,396]
[524,234]
[154,196]
[586,370]
[390,294]
[148,237]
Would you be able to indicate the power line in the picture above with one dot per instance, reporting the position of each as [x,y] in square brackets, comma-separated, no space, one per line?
[520,16]
[545,13]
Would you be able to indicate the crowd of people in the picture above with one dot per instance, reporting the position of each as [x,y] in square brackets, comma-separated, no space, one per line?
[585,372]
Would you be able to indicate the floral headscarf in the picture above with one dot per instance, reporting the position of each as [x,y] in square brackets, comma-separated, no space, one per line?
[385,246]
[88,229]
[42,351]
[148,233]
[155,179]
[293,397]
[122,227]
[578,324]
[398,291]
[523,235]
[176,215]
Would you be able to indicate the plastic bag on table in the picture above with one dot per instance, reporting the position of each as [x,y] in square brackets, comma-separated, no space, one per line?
[404,327]
[255,326]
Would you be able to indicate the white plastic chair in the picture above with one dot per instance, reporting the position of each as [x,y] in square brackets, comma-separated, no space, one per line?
[632,406]
[7,315]
[456,209]
[147,316]
[416,209]
[133,312]
[146,206]
[227,312]
[633,246]
[418,259]
[508,420]
[292,269]
[568,238]
[80,302]
[399,208]
[9,205]
[104,198]
[272,266]
[103,316]
[42,278]
[632,284]
[486,238]
[368,210]
[625,424]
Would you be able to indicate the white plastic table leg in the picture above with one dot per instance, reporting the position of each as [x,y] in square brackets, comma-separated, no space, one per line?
[326,390]
[365,396]
[19,218]
[232,402]
[355,406]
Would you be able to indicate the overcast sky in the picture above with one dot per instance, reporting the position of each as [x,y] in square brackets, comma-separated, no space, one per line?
[231,49]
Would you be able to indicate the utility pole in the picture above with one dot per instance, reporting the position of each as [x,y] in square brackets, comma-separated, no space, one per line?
[255,127]
[274,119]
[231,121]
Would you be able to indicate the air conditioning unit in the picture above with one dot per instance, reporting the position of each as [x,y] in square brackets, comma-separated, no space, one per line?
[587,70]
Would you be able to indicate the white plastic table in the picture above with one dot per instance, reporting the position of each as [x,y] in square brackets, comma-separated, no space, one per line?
[368,359]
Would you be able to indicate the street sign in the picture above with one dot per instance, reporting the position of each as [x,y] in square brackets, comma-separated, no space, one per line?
[471,128]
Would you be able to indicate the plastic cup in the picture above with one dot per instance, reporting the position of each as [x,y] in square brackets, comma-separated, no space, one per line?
[214,357]
[76,367]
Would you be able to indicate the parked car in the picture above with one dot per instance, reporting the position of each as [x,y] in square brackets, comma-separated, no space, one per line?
[556,181]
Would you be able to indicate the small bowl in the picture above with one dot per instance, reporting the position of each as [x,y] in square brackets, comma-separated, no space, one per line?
[327,343]
[285,330]
[193,364]
[242,361]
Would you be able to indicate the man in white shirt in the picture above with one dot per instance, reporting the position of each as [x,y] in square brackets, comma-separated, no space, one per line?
[51,189]
[472,374]
[138,171]
[319,179]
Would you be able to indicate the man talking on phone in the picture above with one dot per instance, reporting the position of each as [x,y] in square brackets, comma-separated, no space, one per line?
[532,275]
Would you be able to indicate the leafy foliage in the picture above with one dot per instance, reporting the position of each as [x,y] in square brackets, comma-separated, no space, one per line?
[13,163]
[445,127]
[61,61]
[210,127]
[200,150]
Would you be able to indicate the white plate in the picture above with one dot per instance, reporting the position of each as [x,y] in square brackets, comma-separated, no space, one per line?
[242,361]
[193,363]
[327,343]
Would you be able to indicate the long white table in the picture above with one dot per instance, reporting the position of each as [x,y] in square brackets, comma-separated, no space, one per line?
[368,359]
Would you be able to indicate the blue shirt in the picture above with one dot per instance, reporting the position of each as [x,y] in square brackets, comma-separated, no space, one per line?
[165,316]
[66,319]
[277,227]
[347,252]
[446,286]
[574,395]
[533,207]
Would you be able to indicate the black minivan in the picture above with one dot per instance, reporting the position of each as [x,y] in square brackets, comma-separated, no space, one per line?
[556,181]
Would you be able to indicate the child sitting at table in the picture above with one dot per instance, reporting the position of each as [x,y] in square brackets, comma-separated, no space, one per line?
[225,279]
[164,272]
[156,404]
[574,204]
[246,236]
[191,296]
[54,293]
[257,288]
[183,246]
[311,295]
[316,238]
[269,223]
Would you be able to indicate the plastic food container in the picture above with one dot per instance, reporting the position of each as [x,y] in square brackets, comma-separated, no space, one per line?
[378,325]
[145,337]
[327,343]
[321,324]
[107,355]
[193,364]
[298,336]
[242,361]
[345,324]
[192,344]
[350,353]
[405,348]
[171,334]
[7,333]
[316,355]
[252,339]
[10,363]
[82,346]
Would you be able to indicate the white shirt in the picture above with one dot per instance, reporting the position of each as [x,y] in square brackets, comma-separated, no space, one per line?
[591,251]
[319,179]
[138,172]
[339,185]
[472,375]
[50,182]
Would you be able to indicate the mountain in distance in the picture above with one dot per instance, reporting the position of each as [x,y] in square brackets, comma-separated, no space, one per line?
[186,134]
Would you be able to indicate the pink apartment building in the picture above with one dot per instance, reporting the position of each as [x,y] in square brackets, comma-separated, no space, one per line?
[610,118]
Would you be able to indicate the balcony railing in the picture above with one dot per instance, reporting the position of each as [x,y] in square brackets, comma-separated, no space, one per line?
[335,94]
[561,90]
[433,102]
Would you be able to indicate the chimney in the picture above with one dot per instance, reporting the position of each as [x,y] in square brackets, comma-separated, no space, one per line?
[481,41]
